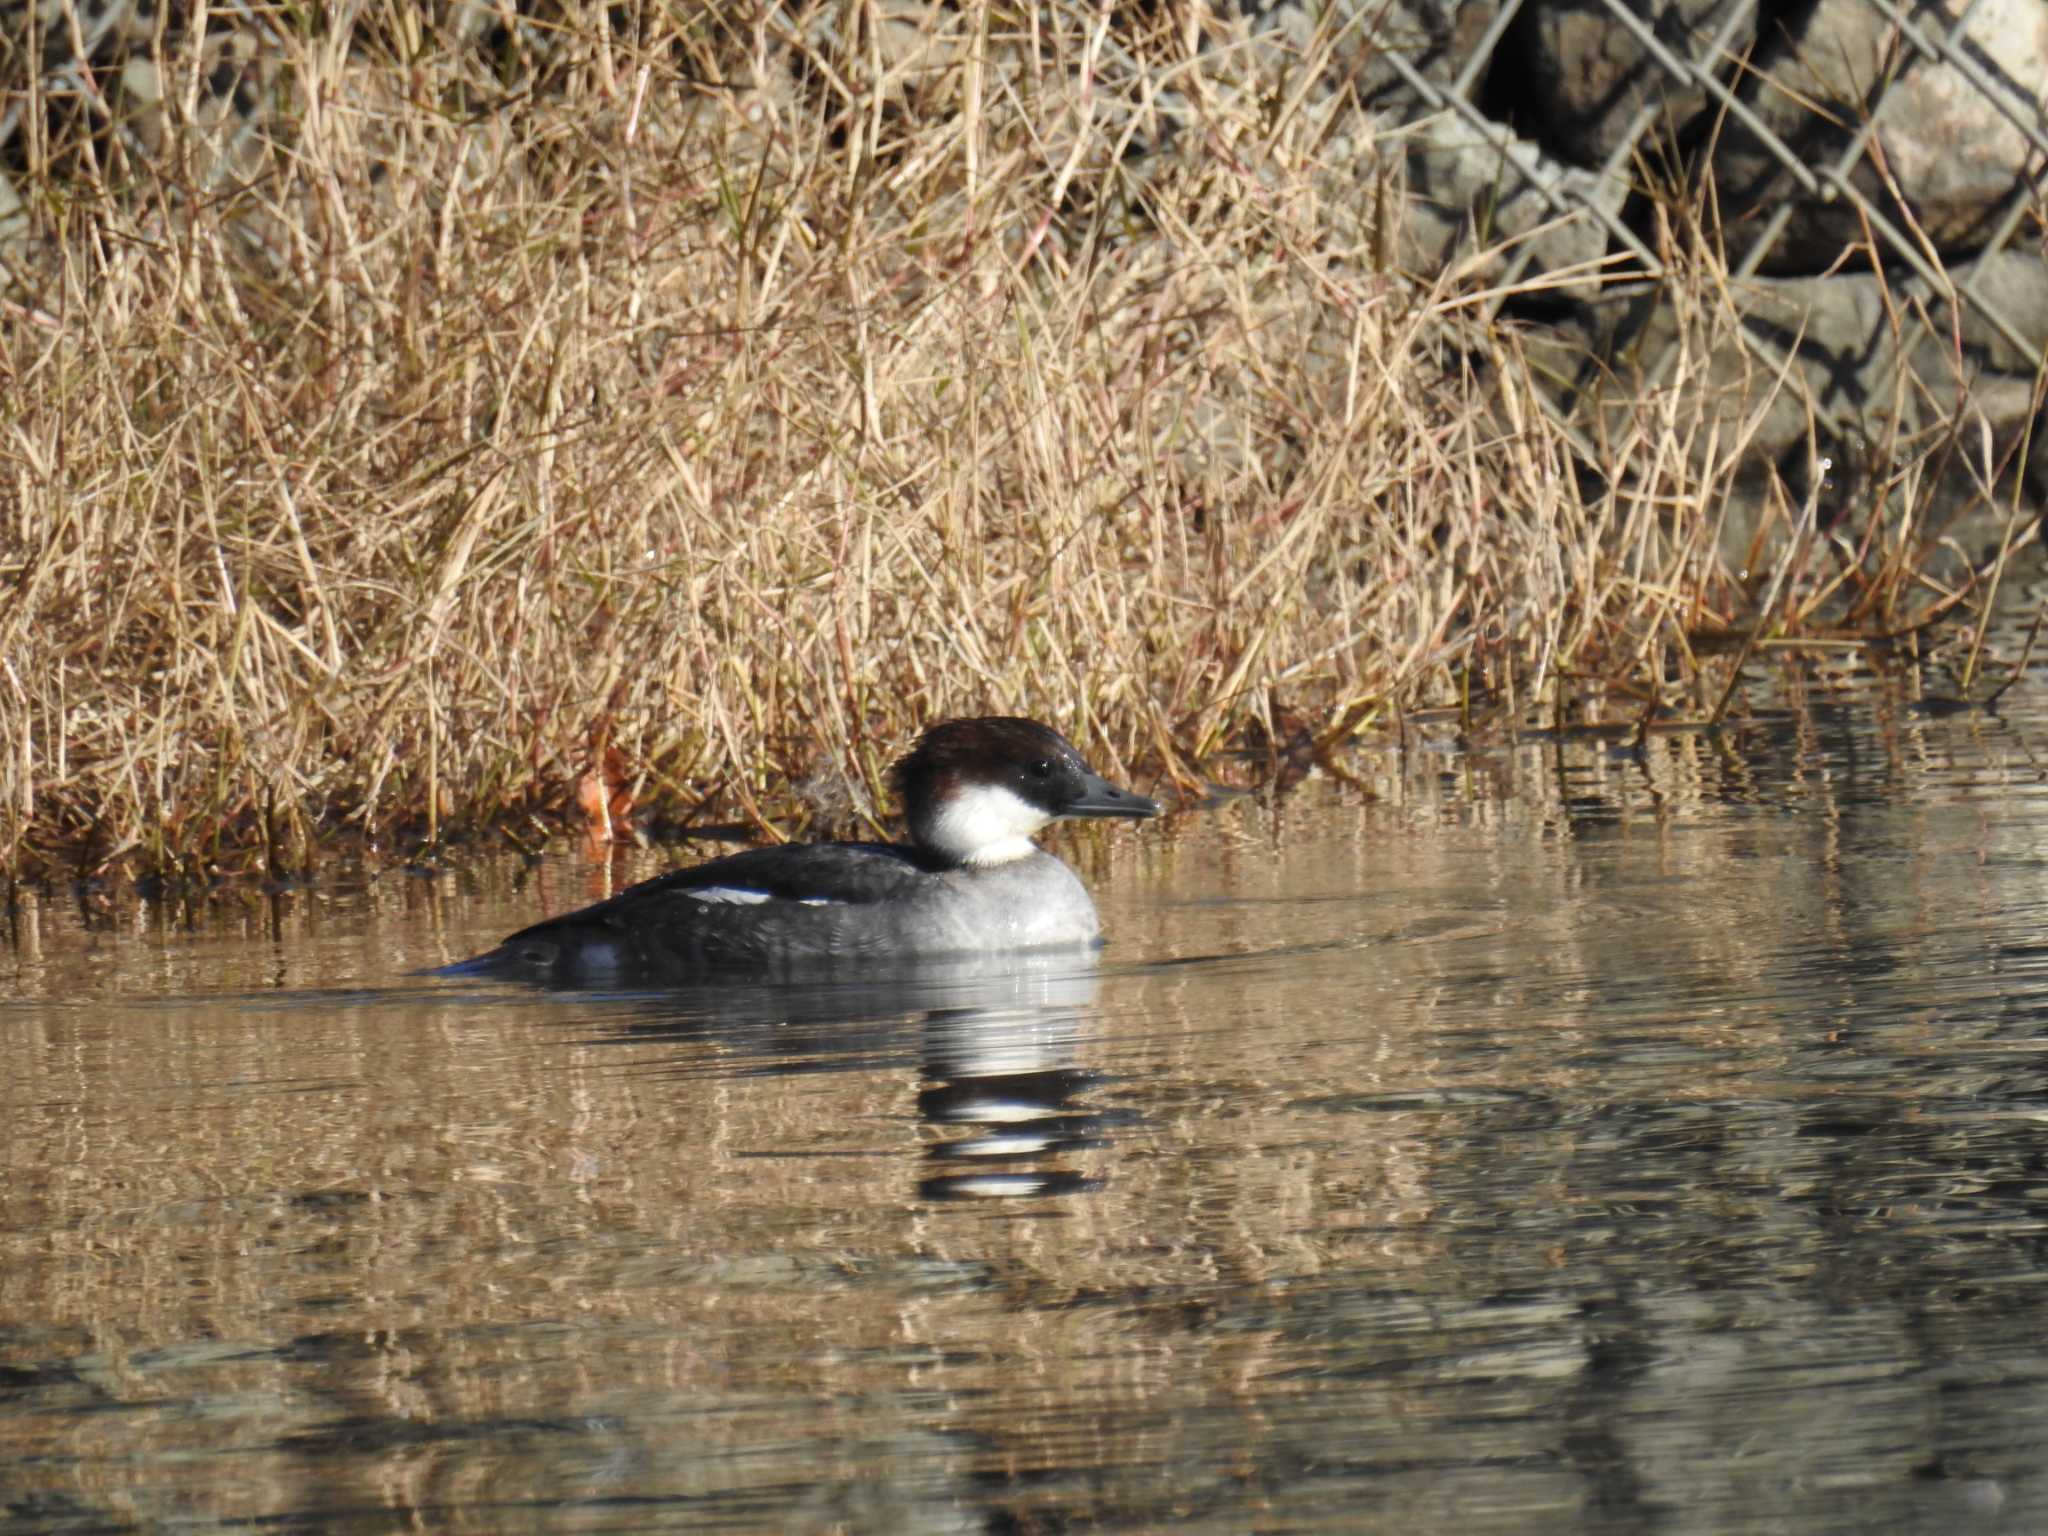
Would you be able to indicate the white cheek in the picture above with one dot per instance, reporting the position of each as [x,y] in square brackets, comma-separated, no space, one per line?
[986,825]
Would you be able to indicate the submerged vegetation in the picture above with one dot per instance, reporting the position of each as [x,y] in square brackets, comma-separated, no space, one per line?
[680,409]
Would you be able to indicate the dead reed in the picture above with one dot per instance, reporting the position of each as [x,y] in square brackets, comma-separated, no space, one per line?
[708,402]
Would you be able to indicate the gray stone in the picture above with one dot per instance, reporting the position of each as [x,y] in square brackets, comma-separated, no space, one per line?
[1583,77]
[1502,207]
[1350,39]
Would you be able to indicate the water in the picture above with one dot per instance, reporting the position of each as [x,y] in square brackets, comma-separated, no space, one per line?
[1545,1139]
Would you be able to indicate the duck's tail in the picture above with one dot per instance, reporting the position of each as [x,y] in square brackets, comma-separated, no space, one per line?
[556,957]
[494,963]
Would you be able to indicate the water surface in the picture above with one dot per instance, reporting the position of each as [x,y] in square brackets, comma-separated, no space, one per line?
[1540,1138]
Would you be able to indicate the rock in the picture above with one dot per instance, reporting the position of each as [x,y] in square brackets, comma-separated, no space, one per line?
[1464,202]
[1577,78]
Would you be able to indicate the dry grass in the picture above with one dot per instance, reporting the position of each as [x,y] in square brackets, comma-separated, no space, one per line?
[675,402]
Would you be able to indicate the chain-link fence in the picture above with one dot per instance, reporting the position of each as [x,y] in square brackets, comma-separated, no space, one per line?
[1867,174]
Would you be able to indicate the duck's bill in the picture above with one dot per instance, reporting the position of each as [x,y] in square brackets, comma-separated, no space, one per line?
[1099,797]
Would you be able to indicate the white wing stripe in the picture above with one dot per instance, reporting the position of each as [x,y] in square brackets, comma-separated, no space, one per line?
[744,896]
[734,895]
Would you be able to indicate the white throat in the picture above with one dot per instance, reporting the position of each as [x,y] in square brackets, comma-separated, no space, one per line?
[984,824]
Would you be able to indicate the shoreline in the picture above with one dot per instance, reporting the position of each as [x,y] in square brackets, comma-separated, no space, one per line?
[401,475]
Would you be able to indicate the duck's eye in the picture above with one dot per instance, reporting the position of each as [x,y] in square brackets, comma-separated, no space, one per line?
[1042,769]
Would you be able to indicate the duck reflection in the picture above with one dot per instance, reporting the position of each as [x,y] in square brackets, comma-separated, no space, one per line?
[1004,1094]
[1004,1100]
